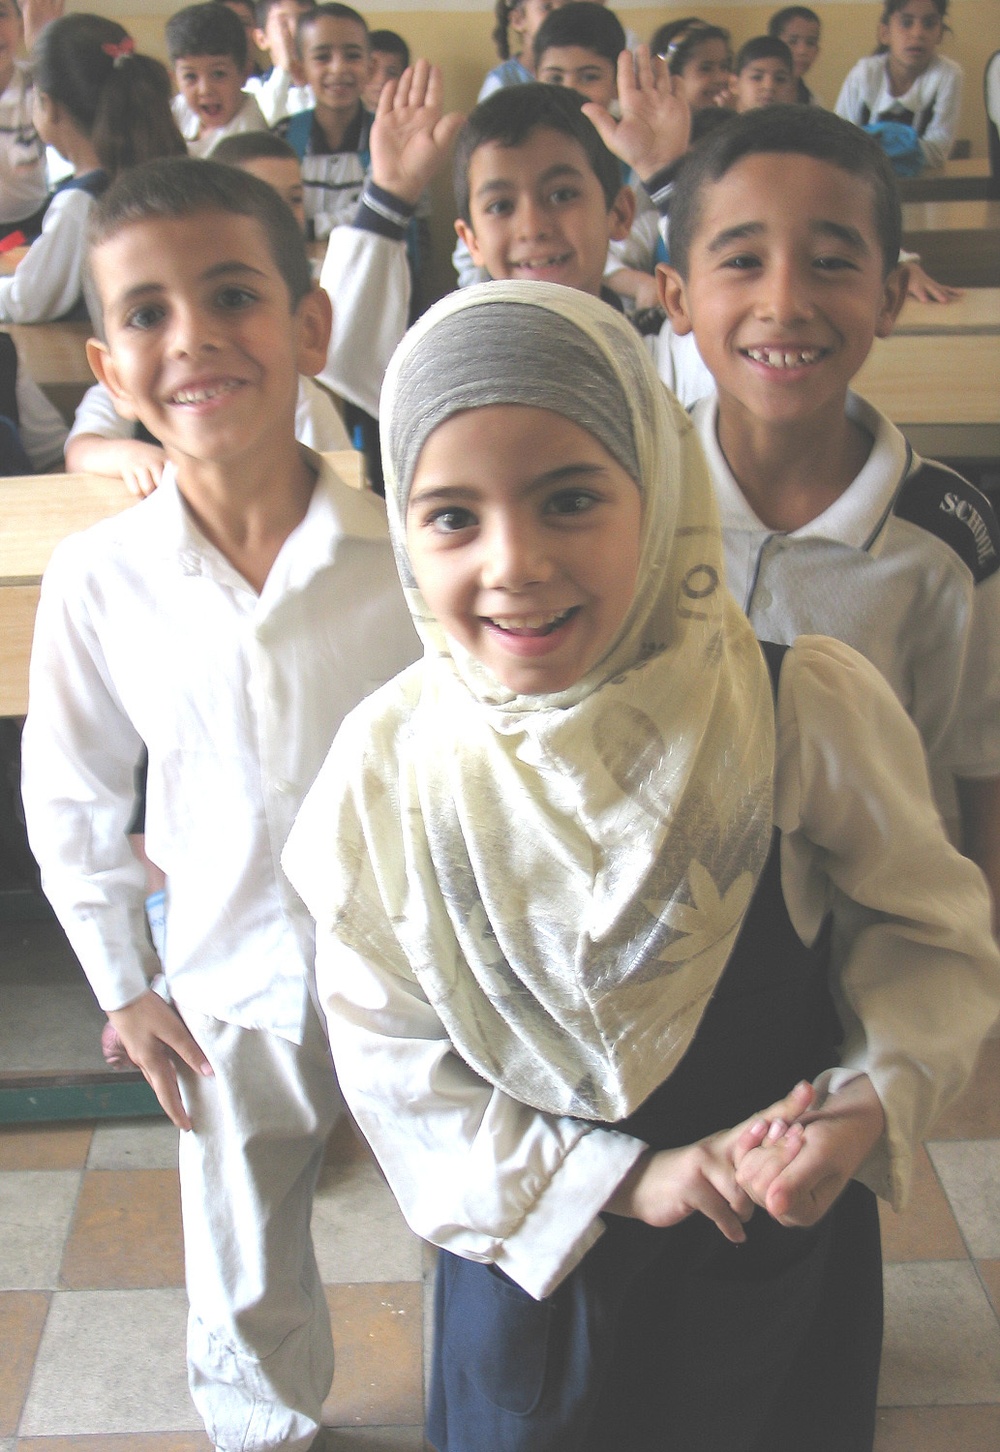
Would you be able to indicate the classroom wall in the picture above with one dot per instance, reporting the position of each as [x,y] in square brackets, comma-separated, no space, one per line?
[457,36]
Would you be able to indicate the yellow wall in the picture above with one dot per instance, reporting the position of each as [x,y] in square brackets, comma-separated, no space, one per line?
[459,40]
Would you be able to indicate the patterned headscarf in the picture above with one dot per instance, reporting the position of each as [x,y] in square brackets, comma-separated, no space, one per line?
[564,875]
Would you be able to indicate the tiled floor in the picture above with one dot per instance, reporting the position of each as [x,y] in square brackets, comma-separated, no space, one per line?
[92,1307]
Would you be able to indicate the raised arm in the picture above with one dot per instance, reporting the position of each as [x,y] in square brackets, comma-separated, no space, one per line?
[655,126]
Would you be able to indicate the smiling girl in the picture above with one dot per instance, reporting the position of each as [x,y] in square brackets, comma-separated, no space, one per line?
[565,957]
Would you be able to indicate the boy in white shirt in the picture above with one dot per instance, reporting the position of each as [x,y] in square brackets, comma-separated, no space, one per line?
[225,625]
[283,90]
[208,52]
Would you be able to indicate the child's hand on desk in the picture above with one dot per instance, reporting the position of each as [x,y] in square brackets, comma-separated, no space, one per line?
[141,466]
[655,126]
[665,1187]
[410,138]
[154,1034]
[922,287]
[829,1145]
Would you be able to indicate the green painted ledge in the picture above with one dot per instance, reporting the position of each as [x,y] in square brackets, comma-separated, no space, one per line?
[47,1098]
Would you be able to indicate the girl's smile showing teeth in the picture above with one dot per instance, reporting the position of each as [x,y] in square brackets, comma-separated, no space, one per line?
[531,625]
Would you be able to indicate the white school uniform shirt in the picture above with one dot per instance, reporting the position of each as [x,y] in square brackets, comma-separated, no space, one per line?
[318,425]
[896,592]
[277,95]
[41,426]
[146,635]
[48,281]
[248,118]
[493,1180]
[931,105]
[23,185]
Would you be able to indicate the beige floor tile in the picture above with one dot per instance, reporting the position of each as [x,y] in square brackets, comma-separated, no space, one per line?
[22,1316]
[377,1338]
[976,1115]
[126,1232]
[989,1274]
[357,1228]
[111,1361]
[938,1429]
[926,1230]
[35,1211]
[969,1170]
[134,1144]
[942,1340]
[119,1442]
[44,1147]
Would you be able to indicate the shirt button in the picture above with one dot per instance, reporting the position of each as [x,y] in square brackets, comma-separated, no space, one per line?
[282,787]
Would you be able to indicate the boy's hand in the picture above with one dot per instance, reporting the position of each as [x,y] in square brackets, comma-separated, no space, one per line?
[154,1034]
[410,138]
[37,15]
[922,287]
[284,52]
[664,1188]
[655,126]
[830,1143]
[142,466]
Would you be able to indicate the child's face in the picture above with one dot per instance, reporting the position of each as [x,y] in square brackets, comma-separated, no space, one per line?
[526,21]
[212,85]
[202,343]
[387,65]
[704,81]
[11,32]
[584,70]
[785,290]
[284,175]
[277,37]
[538,211]
[337,63]
[523,533]
[913,34]
[802,39]
[764,82]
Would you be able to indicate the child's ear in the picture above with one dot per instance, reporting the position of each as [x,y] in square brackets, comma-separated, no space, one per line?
[314,319]
[465,234]
[893,298]
[673,298]
[622,215]
[103,368]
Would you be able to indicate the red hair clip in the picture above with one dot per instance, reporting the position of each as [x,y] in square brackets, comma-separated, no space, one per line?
[118,50]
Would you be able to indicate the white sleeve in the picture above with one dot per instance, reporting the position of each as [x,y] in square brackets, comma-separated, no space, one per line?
[78,801]
[991,88]
[937,139]
[318,425]
[367,278]
[43,432]
[680,365]
[974,743]
[96,414]
[918,982]
[466,270]
[474,1171]
[853,94]
[48,282]
[638,249]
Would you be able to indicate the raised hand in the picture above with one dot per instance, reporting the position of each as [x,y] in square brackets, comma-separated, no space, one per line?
[655,126]
[410,138]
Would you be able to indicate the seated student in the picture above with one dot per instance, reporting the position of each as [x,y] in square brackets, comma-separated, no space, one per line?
[701,58]
[32,431]
[24,193]
[906,81]
[104,108]
[763,74]
[799,28]
[208,51]
[784,245]
[101,441]
[283,89]
[331,140]
[586,898]
[226,625]
[578,45]
[523,18]
[390,58]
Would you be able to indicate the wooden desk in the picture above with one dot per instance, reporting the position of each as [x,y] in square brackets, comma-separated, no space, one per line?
[942,392]
[55,356]
[977,312]
[967,180]
[37,512]
[958,242]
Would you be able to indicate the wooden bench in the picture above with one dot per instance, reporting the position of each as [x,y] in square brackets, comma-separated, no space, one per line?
[942,392]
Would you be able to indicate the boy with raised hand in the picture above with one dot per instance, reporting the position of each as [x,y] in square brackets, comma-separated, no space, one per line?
[784,243]
[208,51]
[225,625]
[283,90]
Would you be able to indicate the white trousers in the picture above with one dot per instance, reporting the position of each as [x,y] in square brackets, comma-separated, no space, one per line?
[260,1350]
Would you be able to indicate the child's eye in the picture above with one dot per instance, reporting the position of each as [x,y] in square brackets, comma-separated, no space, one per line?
[451,520]
[571,502]
[233,298]
[145,317]
[834,264]
[742,262]
[502,207]
[563,195]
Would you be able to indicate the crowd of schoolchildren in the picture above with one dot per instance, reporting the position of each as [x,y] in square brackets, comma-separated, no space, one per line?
[643,953]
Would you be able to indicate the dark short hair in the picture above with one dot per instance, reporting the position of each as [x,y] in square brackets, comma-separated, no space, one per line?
[509,117]
[209,29]
[332,11]
[253,146]
[389,42]
[677,41]
[785,131]
[784,17]
[186,187]
[581,23]
[763,47]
